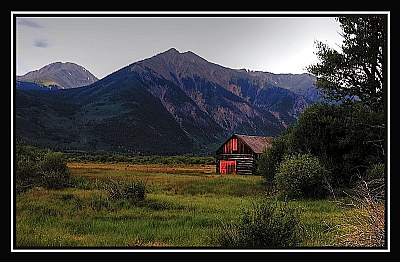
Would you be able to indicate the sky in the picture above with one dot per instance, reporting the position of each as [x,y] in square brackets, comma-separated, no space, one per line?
[276,43]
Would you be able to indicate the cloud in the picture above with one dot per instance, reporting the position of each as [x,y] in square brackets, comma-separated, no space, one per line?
[28,23]
[41,43]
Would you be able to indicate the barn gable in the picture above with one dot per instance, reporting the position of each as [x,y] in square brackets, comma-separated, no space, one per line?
[256,143]
[239,153]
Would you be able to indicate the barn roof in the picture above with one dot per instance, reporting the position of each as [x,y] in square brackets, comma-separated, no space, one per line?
[256,143]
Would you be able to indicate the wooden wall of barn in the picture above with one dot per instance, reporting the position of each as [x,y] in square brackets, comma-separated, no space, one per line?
[227,148]
[244,162]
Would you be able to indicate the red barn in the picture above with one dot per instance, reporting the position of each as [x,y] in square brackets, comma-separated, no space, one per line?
[239,153]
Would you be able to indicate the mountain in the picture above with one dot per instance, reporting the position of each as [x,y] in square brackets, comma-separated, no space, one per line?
[244,96]
[56,75]
[301,84]
[171,103]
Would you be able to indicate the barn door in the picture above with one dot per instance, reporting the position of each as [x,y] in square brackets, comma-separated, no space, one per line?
[227,167]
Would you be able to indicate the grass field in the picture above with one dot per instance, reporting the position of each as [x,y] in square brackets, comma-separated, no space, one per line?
[185,207]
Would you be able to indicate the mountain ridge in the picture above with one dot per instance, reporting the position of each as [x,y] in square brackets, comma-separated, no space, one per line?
[170,103]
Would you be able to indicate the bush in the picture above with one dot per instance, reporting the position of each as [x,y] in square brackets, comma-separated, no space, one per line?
[343,138]
[268,164]
[376,171]
[302,176]
[39,167]
[54,171]
[25,167]
[133,191]
[25,174]
[271,224]
[375,182]
[365,226]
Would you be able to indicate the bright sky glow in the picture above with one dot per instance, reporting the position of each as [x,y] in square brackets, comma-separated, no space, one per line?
[106,43]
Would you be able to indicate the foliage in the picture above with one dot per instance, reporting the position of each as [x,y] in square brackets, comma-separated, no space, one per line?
[25,167]
[269,224]
[39,167]
[269,161]
[352,133]
[54,171]
[366,226]
[344,139]
[179,211]
[358,72]
[376,171]
[133,191]
[301,176]
[341,137]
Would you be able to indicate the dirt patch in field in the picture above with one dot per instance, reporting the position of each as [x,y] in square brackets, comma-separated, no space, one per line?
[168,169]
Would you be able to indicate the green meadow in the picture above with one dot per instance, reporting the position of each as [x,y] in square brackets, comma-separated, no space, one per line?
[186,206]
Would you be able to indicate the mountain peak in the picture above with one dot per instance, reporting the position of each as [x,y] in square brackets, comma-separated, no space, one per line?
[172,63]
[175,52]
[172,50]
[62,74]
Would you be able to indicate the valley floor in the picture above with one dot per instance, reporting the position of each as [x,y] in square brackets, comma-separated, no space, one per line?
[186,206]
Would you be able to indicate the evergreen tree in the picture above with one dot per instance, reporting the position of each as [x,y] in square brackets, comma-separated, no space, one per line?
[358,72]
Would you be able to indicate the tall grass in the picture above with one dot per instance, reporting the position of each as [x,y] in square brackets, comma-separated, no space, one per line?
[73,216]
[179,211]
[366,226]
[269,224]
[190,184]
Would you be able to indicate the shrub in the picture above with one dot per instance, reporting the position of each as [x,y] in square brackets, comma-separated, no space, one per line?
[365,227]
[344,138]
[302,176]
[133,191]
[25,167]
[271,224]
[268,164]
[375,182]
[39,167]
[376,171]
[25,171]
[54,171]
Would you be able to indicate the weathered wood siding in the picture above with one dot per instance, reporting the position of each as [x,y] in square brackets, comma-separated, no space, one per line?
[244,162]
[240,152]
[228,148]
